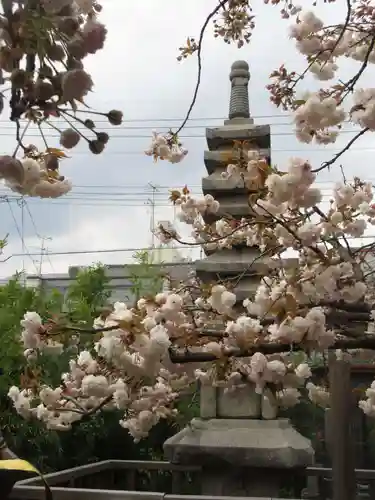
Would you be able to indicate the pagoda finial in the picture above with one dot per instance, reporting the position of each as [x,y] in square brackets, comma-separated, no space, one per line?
[239,96]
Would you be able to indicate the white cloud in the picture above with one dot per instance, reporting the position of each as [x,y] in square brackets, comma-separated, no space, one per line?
[102,231]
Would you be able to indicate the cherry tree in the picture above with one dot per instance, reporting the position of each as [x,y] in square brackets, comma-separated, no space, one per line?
[143,357]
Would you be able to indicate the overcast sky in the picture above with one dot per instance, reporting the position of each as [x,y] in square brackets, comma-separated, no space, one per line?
[109,207]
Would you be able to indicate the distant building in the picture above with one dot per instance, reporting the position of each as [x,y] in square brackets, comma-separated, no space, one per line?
[169,260]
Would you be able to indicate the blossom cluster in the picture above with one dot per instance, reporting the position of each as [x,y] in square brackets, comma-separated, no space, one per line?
[89,383]
[246,170]
[324,45]
[112,375]
[261,373]
[44,65]
[34,175]
[320,115]
[315,118]
[166,147]
[368,405]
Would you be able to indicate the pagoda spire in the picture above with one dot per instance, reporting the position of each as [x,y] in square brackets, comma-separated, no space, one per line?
[239,95]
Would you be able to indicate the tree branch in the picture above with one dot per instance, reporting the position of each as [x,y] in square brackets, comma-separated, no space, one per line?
[186,356]
[220,5]
[327,164]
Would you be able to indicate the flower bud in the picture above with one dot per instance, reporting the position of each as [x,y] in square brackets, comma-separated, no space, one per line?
[72,63]
[89,124]
[43,90]
[76,48]
[68,25]
[56,53]
[11,169]
[94,35]
[69,138]
[96,147]
[102,137]
[115,117]
[18,78]
[75,84]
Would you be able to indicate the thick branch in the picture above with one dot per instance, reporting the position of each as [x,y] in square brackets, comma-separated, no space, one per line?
[185,356]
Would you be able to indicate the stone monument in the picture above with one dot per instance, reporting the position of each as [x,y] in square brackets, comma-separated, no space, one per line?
[244,449]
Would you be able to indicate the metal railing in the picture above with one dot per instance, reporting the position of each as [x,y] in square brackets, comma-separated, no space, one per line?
[142,480]
[114,479]
[319,483]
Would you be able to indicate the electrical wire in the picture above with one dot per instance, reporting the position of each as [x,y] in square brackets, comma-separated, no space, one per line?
[25,251]
[161,192]
[186,136]
[147,120]
[303,151]
[108,127]
[103,202]
[125,250]
[168,188]
[41,239]
[108,250]
[128,196]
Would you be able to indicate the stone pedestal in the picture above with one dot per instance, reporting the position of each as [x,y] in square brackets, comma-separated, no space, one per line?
[241,457]
[241,454]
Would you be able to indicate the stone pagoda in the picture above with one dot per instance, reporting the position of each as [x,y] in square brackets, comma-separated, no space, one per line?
[244,449]
[233,199]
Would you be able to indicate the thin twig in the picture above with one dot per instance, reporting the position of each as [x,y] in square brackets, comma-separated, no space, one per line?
[73,126]
[351,83]
[20,137]
[220,5]
[338,155]
[42,135]
[346,23]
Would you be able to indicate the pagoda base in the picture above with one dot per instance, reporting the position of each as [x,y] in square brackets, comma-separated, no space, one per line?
[241,457]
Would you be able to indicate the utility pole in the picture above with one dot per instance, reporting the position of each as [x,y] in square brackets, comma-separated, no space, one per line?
[43,249]
[152,202]
[22,204]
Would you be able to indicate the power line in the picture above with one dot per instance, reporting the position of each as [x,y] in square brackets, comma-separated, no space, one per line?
[109,250]
[105,204]
[168,188]
[104,126]
[128,194]
[148,120]
[326,189]
[41,238]
[301,151]
[187,136]
[143,127]
[120,198]
[32,219]
[124,196]
[22,205]
[125,250]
